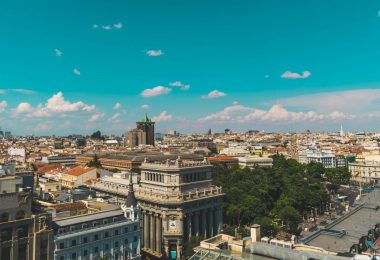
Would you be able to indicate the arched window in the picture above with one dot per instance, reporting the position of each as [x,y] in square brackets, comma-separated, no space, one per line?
[20,214]
[4,217]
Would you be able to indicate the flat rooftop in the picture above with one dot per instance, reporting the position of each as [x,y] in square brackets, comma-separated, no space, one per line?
[341,234]
[87,217]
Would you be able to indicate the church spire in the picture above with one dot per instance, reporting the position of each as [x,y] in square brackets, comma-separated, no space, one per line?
[131,199]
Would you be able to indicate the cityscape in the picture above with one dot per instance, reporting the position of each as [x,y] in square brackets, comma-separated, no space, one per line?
[193,130]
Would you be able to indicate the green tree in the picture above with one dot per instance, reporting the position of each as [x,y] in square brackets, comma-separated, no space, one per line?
[188,247]
[97,135]
[336,177]
[95,162]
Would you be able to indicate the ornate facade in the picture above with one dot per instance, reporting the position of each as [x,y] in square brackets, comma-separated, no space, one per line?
[178,201]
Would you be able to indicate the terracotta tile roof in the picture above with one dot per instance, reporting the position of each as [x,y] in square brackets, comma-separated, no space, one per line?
[79,170]
[41,169]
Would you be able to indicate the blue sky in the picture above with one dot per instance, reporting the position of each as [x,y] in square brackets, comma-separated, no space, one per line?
[268,65]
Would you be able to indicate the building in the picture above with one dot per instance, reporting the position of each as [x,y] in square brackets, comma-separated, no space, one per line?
[147,126]
[227,161]
[135,137]
[66,160]
[255,161]
[111,234]
[365,169]
[23,235]
[142,135]
[314,154]
[78,176]
[178,201]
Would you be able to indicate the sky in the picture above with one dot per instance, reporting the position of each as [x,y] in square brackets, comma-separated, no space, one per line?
[76,66]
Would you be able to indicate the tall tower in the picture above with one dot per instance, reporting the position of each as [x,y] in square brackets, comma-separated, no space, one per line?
[178,201]
[341,130]
[147,126]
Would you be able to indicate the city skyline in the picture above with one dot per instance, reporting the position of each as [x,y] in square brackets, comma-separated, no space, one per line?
[191,65]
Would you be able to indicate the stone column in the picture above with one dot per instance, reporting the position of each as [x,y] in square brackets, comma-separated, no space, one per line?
[196,223]
[188,219]
[179,248]
[158,233]
[152,232]
[219,220]
[204,224]
[146,229]
[211,222]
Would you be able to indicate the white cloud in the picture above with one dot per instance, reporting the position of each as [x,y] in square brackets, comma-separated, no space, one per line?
[154,53]
[23,91]
[43,126]
[117,105]
[96,117]
[118,25]
[294,75]
[108,27]
[3,105]
[266,76]
[54,105]
[115,118]
[76,72]
[145,106]
[351,101]
[58,53]
[214,94]
[163,116]
[23,107]
[276,113]
[159,90]
[180,84]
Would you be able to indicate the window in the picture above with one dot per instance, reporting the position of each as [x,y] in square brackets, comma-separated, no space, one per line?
[116,244]
[61,258]
[73,243]
[106,234]
[96,237]
[85,240]
[116,232]
[126,241]
[96,250]
[126,230]
[135,227]
[85,252]
[20,214]
[73,256]
[4,217]
[134,251]
[106,246]
[135,239]
[61,245]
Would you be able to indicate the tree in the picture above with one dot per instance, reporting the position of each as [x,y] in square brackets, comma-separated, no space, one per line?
[337,177]
[95,162]
[188,247]
[97,135]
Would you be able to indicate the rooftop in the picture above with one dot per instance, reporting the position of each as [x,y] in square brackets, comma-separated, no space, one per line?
[79,170]
[342,233]
[88,217]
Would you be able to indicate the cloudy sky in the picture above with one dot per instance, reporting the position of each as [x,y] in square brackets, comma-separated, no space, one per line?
[78,66]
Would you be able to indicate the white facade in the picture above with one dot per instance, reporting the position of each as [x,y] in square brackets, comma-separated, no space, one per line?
[255,161]
[324,156]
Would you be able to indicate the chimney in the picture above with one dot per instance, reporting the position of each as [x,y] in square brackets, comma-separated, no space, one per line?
[255,233]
